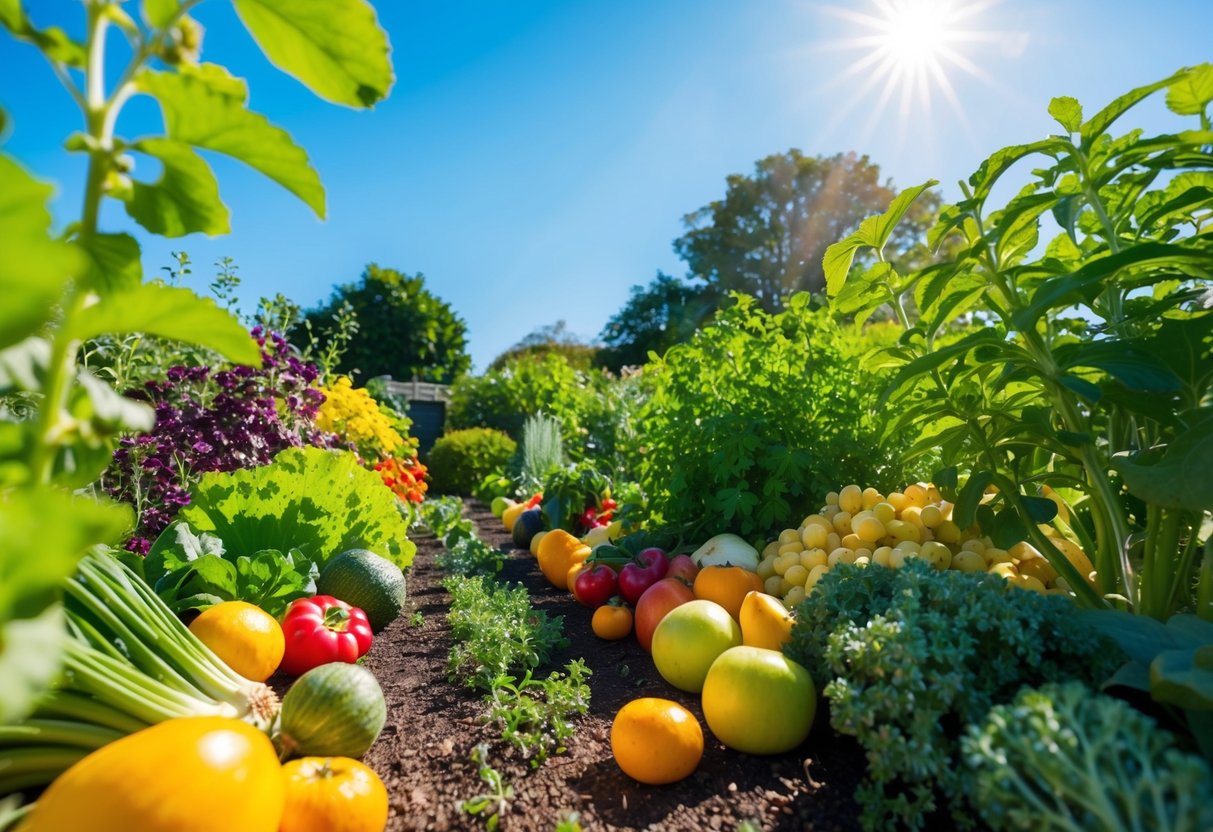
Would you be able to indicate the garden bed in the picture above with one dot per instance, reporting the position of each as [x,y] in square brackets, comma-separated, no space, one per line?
[424,753]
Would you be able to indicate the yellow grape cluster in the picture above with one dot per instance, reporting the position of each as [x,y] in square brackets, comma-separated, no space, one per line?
[351,412]
[861,526]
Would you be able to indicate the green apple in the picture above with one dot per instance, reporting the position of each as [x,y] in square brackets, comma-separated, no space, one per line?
[498,506]
[758,701]
[689,639]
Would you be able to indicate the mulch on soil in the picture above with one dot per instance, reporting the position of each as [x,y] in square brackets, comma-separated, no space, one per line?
[424,752]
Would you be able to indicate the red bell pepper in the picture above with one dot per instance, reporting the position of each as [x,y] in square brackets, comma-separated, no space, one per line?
[320,630]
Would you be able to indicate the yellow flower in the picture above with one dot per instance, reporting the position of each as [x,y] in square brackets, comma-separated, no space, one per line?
[350,412]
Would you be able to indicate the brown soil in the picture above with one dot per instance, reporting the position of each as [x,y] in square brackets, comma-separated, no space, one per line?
[423,754]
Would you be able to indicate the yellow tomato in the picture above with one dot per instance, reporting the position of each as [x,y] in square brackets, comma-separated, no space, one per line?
[333,794]
[246,637]
[194,774]
[656,741]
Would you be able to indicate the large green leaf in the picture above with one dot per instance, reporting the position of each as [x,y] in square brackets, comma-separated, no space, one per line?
[113,261]
[1192,91]
[334,47]
[186,198]
[169,312]
[158,13]
[45,531]
[205,107]
[12,16]
[320,502]
[33,267]
[1177,476]
[1095,126]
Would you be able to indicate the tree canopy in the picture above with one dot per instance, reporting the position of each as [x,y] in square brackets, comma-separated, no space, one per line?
[403,329]
[655,318]
[767,235]
[553,338]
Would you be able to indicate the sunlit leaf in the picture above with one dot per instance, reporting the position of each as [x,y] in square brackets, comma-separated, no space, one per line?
[113,261]
[205,107]
[1067,111]
[33,267]
[334,47]
[170,312]
[1192,91]
[158,13]
[184,200]
[1101,121]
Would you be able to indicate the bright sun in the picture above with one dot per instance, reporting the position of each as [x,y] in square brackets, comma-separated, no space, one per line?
[907,49]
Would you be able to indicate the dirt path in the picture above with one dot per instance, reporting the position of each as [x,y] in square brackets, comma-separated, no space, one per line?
[423,754]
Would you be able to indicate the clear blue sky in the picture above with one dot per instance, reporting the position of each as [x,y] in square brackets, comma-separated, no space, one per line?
[535,159]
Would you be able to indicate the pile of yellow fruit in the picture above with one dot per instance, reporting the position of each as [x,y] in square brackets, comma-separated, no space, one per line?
[861,526]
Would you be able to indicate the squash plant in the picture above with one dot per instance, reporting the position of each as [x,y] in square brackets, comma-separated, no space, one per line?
[58,421]
[1089,377]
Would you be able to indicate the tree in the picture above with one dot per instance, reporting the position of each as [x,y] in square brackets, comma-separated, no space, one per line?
[655,318]
[403,330]
[766,237]
[553,338]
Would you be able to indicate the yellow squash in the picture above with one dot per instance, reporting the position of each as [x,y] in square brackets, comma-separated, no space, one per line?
[196,774]
[764,621]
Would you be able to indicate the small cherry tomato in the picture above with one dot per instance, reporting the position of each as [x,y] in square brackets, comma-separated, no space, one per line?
[612,621]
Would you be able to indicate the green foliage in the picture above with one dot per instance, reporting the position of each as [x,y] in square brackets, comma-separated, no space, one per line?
[461,459]
[909,657]
[466,554]
[766,237]
[540,452]
[1093,372]
[193,572]
[1172,662]
[317,501]
[58,420]
[404,330]
[568,491]
[496,632]
[752,420]
[503,399]
[533,714]
[1061,759]
[554,338]
[654,318]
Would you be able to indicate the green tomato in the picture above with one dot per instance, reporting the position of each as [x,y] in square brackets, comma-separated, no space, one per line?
[759,701]
[689,638]
[498,506]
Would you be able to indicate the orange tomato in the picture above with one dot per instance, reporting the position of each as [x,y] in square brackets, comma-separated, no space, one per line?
[727,586]
[611,622]
[333,794]
[656,741]
[653,605]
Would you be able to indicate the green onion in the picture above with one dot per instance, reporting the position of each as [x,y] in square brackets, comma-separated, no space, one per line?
[128,663]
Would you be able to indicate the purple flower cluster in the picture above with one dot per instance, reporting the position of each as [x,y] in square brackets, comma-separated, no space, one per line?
[214,420]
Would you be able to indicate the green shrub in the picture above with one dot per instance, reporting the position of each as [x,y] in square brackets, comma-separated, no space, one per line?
[595,409]
[911,657]
[460,460]
[1064,759]
[541,450]
[756,418]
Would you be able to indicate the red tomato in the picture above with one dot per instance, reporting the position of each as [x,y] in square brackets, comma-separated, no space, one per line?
[320,630]
[658,600]
[595,586]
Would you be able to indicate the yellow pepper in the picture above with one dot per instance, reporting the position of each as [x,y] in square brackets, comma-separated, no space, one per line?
[559,552]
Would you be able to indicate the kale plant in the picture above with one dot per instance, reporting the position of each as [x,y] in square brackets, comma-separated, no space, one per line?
[1062,759]
[913,656]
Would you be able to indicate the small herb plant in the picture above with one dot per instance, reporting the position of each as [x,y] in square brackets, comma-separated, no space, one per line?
[466,554]
[534,714]
[493,803]
[497,632]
